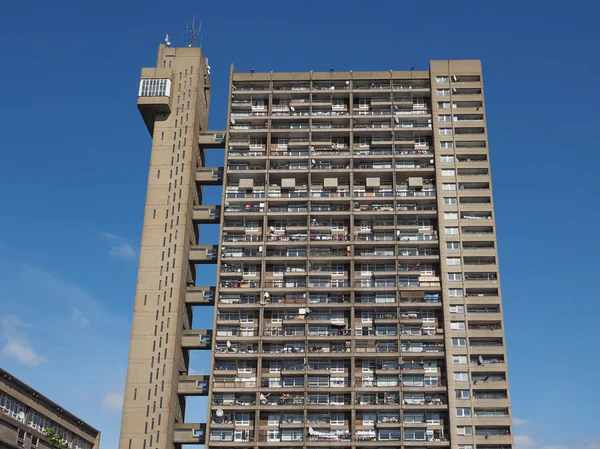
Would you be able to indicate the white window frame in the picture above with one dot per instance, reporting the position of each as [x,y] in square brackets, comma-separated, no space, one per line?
[459,359]
[462,394]
[464,430]
[457,325]
[450,201]
[459,342]
[453,261]
[457,308]
[463,412]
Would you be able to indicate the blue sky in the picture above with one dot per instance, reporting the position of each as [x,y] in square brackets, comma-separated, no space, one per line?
[75,157]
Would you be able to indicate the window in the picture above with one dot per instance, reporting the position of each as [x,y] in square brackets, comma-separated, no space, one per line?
[444,104]
[465,446]
[369,418]
[363,103]
[450,201]
[446,144]
[445,118]
[273,419]
[282,142]
[445,131]
[452,260]
[155,87]
[420,141]
[462,394]
[337,366]
[459,342]
[242,419]
[463,412]
[452,245]
[441,79]
[455,292]
[464,430]
[457,309]
[457,325]
[451,215]
[448,187]
[459,359]
[258,104]
[461,376]
[419,102]
[256,142]
[364,142]
[455,276]
[337,270]
[446,158]
[337,419]
[448,172]
[275,367]
[443,92]
[451,231]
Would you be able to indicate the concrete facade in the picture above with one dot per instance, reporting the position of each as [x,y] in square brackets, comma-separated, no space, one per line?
[357,300]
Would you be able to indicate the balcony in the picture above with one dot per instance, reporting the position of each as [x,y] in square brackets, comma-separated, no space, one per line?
[196,339]
[193,385]
[206,214]
[237,252]
[188,433]
[202,254]
[209,176]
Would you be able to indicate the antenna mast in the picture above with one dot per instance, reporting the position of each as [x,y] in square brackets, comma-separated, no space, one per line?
[193,33]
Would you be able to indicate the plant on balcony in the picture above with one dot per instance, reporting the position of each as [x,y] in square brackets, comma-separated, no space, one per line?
[56,440]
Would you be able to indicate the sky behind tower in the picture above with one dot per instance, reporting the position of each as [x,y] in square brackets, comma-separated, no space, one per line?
[75,158]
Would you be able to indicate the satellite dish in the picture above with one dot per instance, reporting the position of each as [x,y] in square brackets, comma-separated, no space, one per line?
[267,294]
[292,108]
[431,161]
[21,416]
[347,83]
[228,344]
[396,107]
[311,431]
[313,161]
[480,360]
[397,120]
[219,413]
[272,228]
[454,89]
[233,121]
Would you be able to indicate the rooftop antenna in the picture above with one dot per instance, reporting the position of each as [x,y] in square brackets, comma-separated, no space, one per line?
[193,33]
[167,41]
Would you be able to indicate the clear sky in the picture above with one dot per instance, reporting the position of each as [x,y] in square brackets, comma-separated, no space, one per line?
[75,158]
